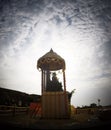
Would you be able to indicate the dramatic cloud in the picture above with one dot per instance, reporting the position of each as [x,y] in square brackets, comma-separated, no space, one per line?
[78,30]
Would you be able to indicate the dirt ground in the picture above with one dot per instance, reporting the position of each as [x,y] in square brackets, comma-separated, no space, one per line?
[78,121]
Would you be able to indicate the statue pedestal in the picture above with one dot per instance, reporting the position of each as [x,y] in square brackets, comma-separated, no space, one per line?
[55,105]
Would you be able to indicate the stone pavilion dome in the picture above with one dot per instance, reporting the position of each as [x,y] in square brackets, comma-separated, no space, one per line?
[51,61]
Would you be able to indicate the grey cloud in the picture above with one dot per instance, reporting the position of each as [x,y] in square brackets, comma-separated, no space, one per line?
[90,18]
[107,50]
[78,14]
[57,19]
[20,20]
[100,76]
[104,55]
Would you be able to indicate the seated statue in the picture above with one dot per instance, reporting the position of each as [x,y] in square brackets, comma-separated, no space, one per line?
[54,84]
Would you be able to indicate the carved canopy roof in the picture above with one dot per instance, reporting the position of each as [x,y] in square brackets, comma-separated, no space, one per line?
[51,61]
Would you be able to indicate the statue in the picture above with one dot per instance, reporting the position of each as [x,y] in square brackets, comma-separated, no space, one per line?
[54,84]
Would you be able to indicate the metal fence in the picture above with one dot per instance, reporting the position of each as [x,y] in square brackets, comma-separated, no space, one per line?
[13,110]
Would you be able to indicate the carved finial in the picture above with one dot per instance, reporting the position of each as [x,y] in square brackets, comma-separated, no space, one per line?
[51,50]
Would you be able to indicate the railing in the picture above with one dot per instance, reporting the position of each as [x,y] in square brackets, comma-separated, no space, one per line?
[13,110]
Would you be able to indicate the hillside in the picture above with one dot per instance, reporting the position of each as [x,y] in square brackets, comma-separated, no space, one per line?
[12,97]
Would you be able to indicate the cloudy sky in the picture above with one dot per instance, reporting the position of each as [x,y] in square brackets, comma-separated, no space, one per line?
[78,30]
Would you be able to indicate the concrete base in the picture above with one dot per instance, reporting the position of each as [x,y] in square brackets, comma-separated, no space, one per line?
[55,105]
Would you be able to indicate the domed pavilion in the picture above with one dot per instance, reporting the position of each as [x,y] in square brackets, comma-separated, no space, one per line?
[54,102]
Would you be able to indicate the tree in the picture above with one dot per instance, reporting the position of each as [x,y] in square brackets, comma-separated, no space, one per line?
[93,105]
[99,102]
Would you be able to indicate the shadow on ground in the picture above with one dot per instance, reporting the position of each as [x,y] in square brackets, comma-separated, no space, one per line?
[79,121]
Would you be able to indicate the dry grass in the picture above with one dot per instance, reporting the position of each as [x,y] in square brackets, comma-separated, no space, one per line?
[82,117]
[25,121]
